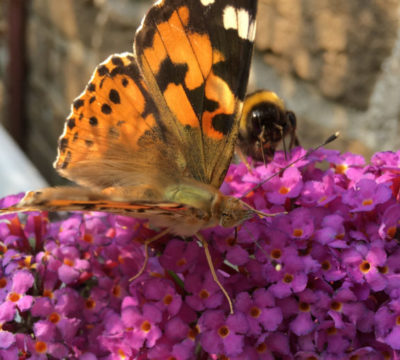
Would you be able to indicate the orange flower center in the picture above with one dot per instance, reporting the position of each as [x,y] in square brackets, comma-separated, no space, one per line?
[168,299]
[193,332]
[383,269]
[261,348]
[326,265]
[341,168]
[304,307]
[14,297]
[204,294]
[223,331]
[181,262]
[48,293]
[297,232]
[255,312]
[40,347]
[68,262]
[90,304]
[3,249]
[365,266]
[391,231]
[367,202]
[88,238]
[116,291]
[276,253]
[336,305]
[283,190]
[54,318]
[146,326]
[288,278]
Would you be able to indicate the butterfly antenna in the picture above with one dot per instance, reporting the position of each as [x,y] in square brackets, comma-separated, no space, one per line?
[310,151]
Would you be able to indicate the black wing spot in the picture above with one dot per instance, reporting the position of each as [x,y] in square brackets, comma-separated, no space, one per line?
[75,137]
[93,98]
[171,73]
[88,143]
[114,96]
[67,159]
[117,61]
[222,123]
[78,103]
[125,82]
[71,123]
[63,144]
[93,121]
[106,109]
[91,87]
[102,70]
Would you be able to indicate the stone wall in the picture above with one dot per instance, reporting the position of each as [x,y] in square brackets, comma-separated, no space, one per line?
[3,57]
[336,63]
[66,40]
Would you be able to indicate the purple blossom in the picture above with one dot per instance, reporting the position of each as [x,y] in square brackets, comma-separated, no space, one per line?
[366,194]
[320,279]
[220,335]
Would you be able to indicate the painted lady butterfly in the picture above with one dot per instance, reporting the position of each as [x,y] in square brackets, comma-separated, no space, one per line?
[153,133]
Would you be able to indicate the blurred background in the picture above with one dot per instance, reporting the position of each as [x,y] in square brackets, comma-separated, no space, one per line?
[336,64]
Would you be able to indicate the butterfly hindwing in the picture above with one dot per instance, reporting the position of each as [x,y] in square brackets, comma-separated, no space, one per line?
[113,136]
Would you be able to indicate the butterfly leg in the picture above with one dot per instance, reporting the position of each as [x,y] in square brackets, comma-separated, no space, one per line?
[146,250]
[213,273]
[243,158]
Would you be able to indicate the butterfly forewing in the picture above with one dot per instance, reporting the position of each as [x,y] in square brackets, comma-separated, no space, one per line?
[195,57]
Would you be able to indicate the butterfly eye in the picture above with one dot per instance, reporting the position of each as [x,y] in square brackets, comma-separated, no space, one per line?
[226,219]
[226,215]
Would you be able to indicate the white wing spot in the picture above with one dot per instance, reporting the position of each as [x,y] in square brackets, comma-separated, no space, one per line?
[207,2]
[243,24]
[230,18]
[252,30]
[238,19]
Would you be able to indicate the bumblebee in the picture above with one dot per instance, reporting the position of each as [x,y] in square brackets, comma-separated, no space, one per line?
[264,124]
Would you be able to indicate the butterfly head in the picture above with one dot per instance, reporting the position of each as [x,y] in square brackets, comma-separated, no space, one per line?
[234,211]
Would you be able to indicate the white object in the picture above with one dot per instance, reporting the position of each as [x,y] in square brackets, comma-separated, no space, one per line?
[17,173]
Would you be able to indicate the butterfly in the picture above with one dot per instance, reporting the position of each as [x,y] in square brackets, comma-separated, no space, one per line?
[153,133]
[264,124]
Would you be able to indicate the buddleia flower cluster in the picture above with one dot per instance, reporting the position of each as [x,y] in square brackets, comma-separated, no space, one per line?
[319,280]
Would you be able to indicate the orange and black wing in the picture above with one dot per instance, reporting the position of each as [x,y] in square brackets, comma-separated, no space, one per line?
[170,110]
[195,56]
[113,136]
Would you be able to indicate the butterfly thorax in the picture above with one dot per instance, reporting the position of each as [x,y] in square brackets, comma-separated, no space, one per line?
[206,207]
